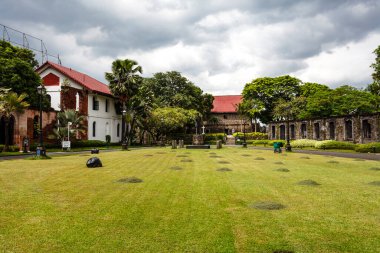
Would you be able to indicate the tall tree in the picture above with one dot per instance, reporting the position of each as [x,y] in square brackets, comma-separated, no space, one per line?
[17,73]
[374,87]
[11,102]
[124,82]
[269,90]
[288,110]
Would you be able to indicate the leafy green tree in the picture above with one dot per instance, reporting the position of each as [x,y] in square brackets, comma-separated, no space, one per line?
[269,90]
[251,109]
[288,110]
[17,73]
[171,89]
[168,119]
[124,82]
[348,100]
[11,102]
[374,87]
[318,102]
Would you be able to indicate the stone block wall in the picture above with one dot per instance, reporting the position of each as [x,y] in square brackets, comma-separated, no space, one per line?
[365,129]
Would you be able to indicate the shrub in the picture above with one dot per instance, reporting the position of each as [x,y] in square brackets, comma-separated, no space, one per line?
[88,143]
[212,138]
[330,144]
[11,148]
[303,143]
[261,142]
[251,136]
[273,141]
[368,148]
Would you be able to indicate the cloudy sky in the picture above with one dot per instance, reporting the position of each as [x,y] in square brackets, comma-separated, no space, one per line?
[220,45]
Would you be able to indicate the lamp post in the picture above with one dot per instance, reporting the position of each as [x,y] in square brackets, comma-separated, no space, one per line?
[40,149]
[244,140]
[123,144]
[68,131]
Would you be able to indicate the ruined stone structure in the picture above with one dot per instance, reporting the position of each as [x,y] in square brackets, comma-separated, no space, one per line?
[356,129]
[224,116]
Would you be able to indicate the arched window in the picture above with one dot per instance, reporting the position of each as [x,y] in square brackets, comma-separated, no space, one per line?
[49,99]
[94,129]
[36,127]
[118,130]
[348,125]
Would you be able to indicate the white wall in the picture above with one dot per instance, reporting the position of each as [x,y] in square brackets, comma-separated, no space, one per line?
[102,119]
[55,91]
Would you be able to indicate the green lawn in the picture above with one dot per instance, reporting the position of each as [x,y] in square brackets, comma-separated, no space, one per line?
[59,205]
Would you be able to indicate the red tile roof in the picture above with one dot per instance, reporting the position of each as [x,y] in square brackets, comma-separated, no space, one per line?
[226,104]
[80,78]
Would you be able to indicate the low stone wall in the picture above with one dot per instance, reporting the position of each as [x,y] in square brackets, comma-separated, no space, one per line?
[356,129]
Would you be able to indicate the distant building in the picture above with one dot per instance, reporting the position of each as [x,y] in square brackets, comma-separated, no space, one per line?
[224,116]
[357,129]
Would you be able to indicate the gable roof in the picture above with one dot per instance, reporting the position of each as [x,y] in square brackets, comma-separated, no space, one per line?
[80,78]
[226,104]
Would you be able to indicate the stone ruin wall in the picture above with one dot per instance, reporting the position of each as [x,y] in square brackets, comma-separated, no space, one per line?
[358,135]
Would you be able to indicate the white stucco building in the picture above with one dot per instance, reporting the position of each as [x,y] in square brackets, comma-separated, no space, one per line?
[70,89]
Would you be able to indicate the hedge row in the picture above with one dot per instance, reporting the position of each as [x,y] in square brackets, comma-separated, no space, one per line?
[373,147]
[251,136]
[10,148]
[330,144]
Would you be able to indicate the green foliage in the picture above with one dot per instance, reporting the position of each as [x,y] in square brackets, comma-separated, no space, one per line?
[11,148]
[303,143]
[271,142]
[368,148]
[260,142]
[269,90]
[251,136]
[17,73]
[330,144]
[63,118]
[215,137]
[376,71]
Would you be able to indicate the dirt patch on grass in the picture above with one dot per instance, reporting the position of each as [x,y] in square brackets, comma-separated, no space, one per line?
[160,152]
[215,156]
[283,251]
[186,160]
[246,155]
[224,169]
[223,162]
[308,182]
[268,205]
[375,168]
[182,156]
[259,158]
[304,157]
[176,168]
[332,161]
[359,160]
[375,183]
[283,170]
[148,155]
[212,153]
[278,163]
[130,180]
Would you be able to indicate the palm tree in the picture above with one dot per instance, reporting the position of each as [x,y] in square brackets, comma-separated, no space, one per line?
[11,102]
[64,117]
[124,82]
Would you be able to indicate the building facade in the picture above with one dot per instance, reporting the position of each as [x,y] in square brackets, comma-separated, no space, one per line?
[356,129]
[70,89]
[224,116]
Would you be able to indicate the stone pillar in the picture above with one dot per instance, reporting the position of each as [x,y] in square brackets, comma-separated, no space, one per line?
[174,144]
[198,139]
[219,144]
[181,144]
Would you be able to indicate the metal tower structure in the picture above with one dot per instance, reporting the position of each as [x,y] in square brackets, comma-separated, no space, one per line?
[28,41]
